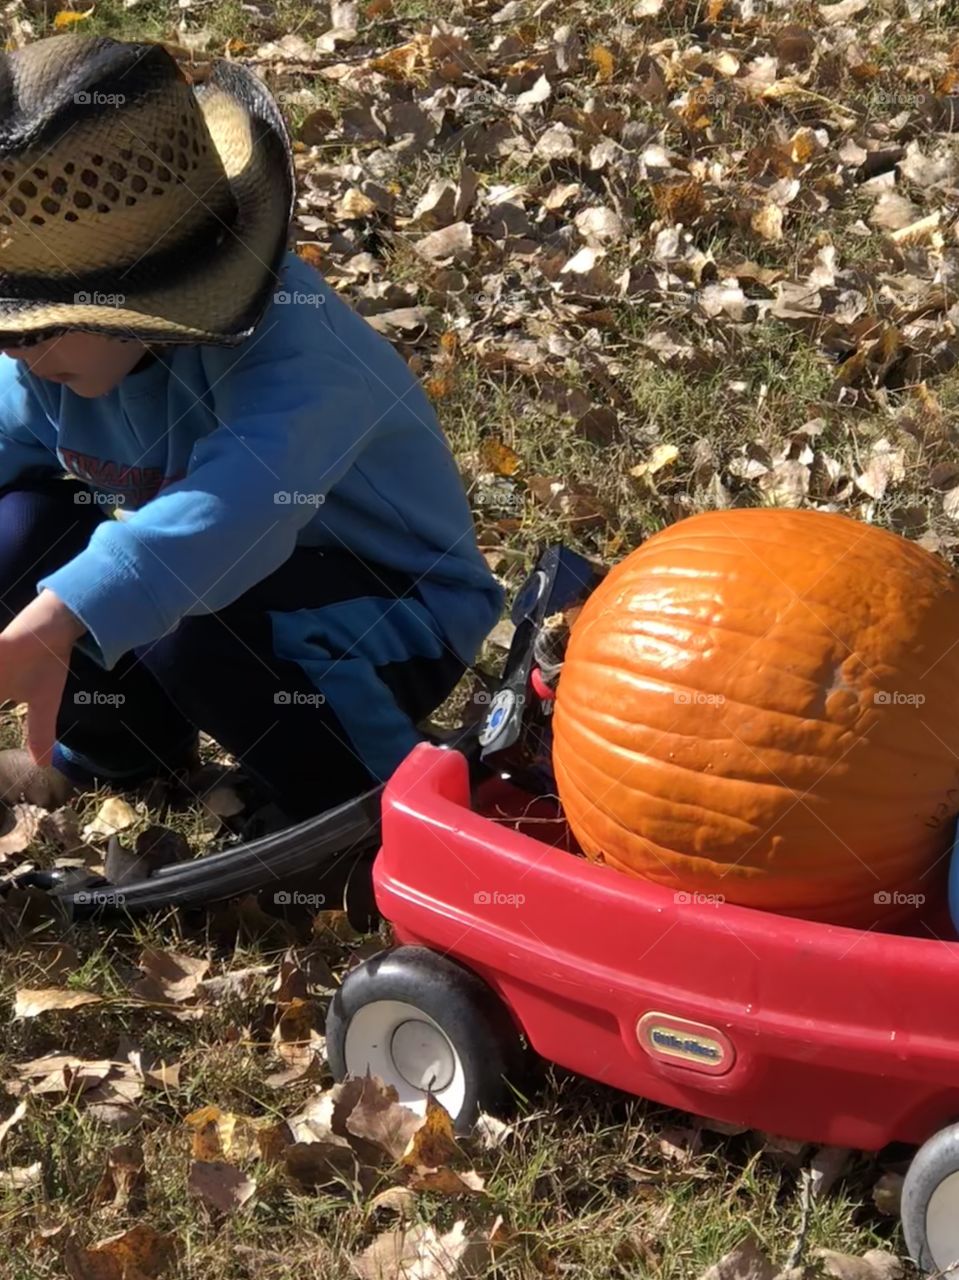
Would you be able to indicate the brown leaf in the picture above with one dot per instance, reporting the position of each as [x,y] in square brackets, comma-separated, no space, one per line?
[221,1186]
[29,1002]
[415,1251]
[447,1182]
[827,1166]
[295,1039]
[680,1145]
[746,1262]
[138,1254]
[887,1194]
[399,1200]
[599,425]
[123,1176]
[168,976]
[433,1144]
[379,1118]
[23,826]
[317,1164]
[499,457]
[875,1264]
[452,243]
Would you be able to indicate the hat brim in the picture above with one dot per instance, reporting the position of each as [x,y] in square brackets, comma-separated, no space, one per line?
[222,300]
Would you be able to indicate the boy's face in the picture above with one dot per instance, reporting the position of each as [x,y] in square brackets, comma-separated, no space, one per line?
[88,363]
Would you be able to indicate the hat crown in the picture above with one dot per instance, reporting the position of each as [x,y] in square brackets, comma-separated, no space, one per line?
[135,198]
[94,131]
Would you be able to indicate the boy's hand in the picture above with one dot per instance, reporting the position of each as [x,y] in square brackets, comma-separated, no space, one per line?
[34,659]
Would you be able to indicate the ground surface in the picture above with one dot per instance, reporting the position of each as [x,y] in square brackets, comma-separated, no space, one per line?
[649,259]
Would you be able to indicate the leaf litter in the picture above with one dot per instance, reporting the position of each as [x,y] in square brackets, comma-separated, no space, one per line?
[761,173]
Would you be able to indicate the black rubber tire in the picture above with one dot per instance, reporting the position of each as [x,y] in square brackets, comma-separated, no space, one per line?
[310,849]
[935,1161]
[471,1016]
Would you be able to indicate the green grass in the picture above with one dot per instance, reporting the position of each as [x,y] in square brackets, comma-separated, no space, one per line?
[583,1186]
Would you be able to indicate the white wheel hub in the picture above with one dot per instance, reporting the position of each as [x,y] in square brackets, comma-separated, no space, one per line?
[407,1049]
[942,1226]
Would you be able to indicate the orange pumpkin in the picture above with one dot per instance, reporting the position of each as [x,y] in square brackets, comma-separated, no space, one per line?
[764,705]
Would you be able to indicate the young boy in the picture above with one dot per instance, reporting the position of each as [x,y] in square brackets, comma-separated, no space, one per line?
[263,534]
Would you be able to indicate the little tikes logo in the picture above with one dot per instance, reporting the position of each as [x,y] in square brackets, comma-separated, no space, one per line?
[689,1044]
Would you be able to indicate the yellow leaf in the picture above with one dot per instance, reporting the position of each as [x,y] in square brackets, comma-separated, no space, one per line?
[69,18]
[499,457]
[604,62]
[212,1132]
[438,387]
[661,457]
[767,222]
[433,1145]
[803,145]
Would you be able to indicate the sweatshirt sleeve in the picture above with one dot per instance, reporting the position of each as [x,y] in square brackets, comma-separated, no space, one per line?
[28,438]
[289,423]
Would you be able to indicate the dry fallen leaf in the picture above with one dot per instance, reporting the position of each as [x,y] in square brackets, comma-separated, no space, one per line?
[70,17]
[20,1179]
[875,1264]
[887,1194]
[416,1252]
[30,1002]
[221,1186]
[113,815]
[499,457]
[24,825]
[138,1254]
[168,976]
[379,1118]
[123,1176]
[662,456]
[433,1144]
[746,1262]
[295,1038]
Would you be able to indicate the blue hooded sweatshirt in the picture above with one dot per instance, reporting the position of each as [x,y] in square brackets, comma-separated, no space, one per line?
[219,461]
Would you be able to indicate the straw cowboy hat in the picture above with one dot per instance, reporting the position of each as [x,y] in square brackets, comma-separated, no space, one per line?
[137,199]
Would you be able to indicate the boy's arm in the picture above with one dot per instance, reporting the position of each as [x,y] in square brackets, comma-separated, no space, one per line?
[288,423]
[28,439]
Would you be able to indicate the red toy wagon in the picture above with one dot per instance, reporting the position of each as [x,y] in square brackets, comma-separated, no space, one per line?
[505,935]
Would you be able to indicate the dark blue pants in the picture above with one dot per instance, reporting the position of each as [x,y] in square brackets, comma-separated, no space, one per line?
[283,717]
